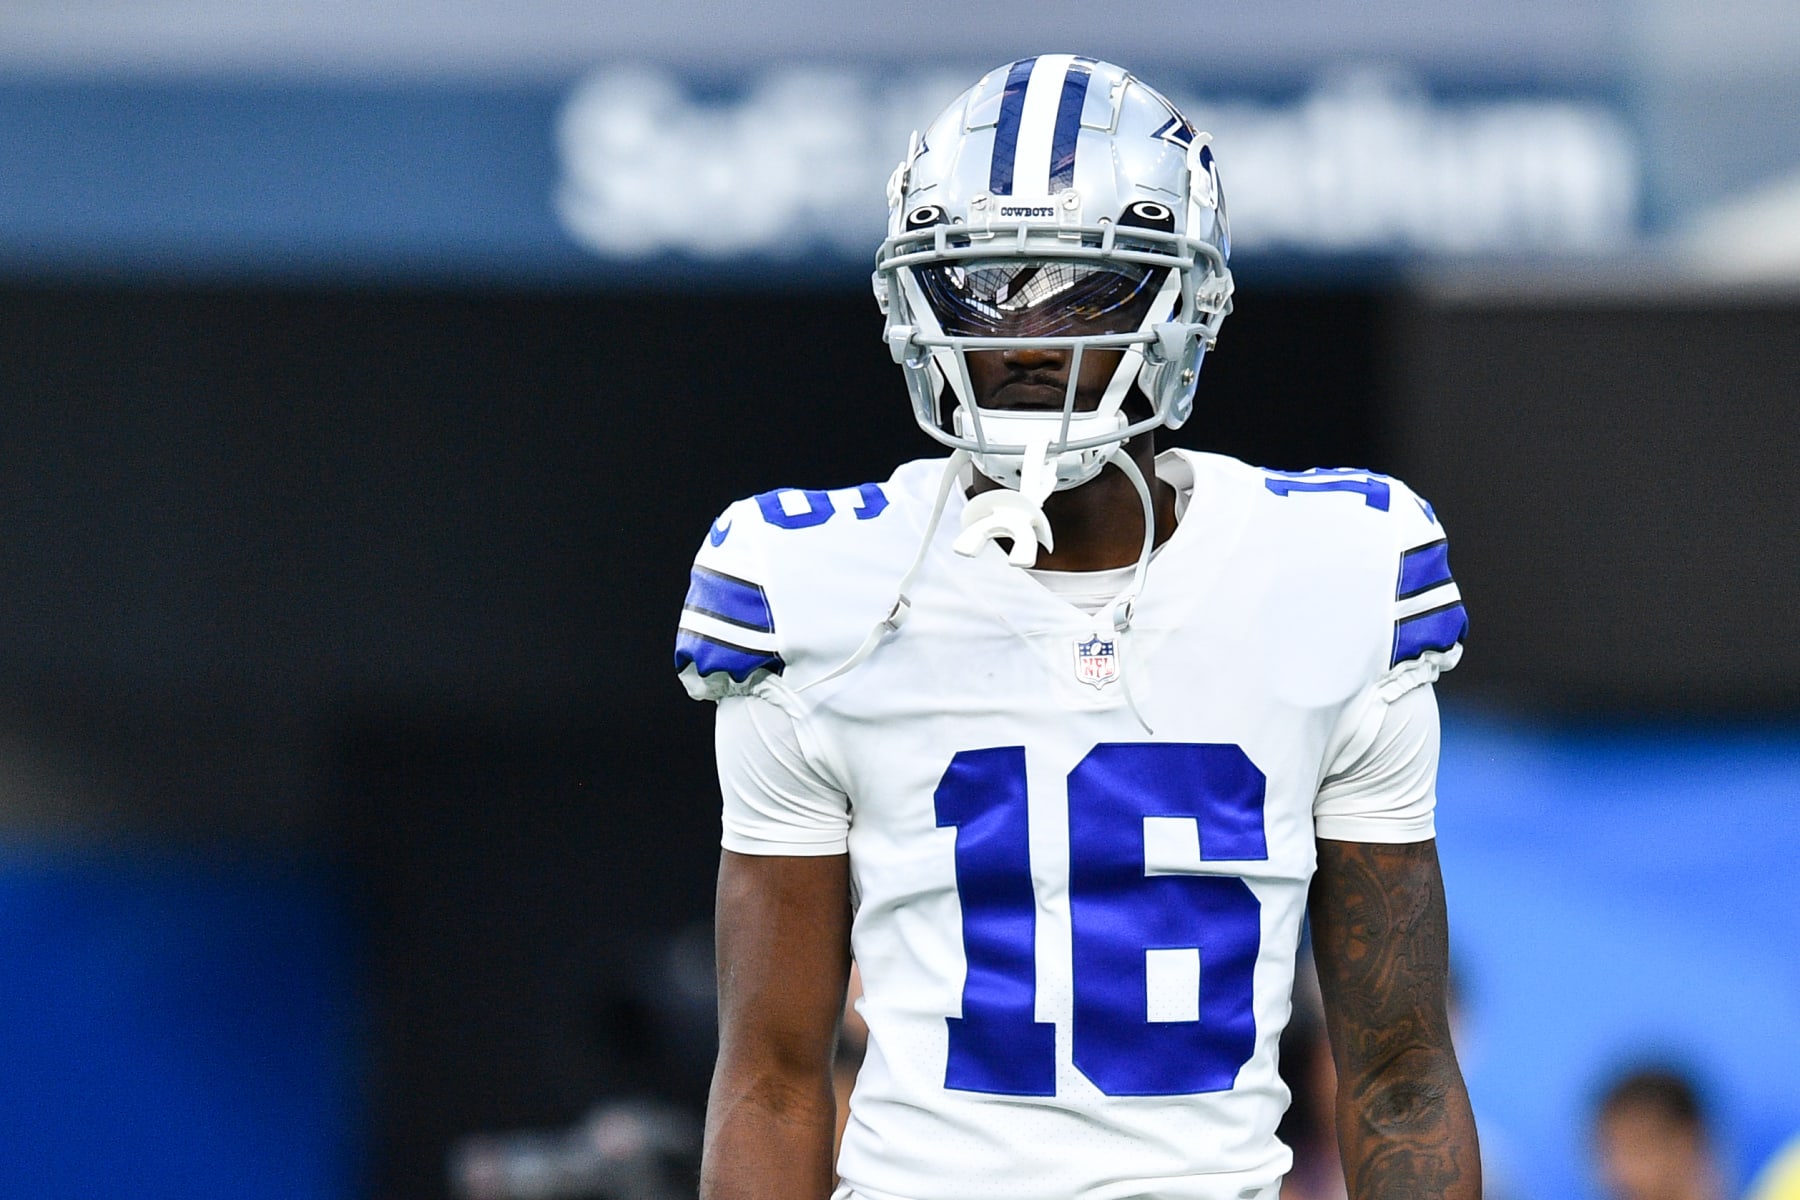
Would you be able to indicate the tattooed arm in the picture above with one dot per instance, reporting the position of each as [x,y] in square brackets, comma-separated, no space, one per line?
[1382,947]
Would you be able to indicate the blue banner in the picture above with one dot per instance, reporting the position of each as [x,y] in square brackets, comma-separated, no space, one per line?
[633,173]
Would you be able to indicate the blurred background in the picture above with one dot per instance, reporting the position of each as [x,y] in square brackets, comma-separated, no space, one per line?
[370,371]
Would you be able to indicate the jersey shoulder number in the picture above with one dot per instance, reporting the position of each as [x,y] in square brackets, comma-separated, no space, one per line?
[728,640]
[1429,620]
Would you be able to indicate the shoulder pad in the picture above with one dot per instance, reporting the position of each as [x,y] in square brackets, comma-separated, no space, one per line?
[1425,621]
[789,578]
[726,643]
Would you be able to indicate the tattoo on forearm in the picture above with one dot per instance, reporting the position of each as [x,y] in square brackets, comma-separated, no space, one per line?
[1381,942]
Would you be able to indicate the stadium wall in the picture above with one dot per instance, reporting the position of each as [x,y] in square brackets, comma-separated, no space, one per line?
[381,580]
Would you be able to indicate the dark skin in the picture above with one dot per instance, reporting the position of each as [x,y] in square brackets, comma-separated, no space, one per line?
[1099,525]
[783,930]
[1381,943]
[1379,936]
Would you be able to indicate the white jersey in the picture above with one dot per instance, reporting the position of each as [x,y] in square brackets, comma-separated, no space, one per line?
[1076,935]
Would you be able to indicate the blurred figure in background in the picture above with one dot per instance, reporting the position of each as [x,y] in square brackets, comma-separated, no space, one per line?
[1651,1139]
[1308,1127]
[1779,1178]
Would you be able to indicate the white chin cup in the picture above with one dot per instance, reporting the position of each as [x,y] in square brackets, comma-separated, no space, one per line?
[1004,513]
[1006,427]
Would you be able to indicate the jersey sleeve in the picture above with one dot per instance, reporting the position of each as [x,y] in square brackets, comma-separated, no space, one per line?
[1429,620]
[776,800]
[1382,786]
[727,643]
[1380,774]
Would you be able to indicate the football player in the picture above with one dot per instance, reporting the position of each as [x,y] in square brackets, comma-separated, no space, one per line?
[1055,733]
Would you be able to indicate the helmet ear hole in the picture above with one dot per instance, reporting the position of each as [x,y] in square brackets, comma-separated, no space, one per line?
[1148,214]
[924,216]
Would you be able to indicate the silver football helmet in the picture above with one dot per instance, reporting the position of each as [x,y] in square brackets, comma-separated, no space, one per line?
[1060,202]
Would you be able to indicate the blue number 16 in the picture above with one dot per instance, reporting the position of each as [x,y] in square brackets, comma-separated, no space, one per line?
[1119,914]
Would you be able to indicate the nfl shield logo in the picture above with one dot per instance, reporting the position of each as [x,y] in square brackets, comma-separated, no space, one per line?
[1096,662]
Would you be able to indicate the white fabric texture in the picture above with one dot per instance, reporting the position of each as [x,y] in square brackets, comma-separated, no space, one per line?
[1383,786]
[983,761]
[776,802]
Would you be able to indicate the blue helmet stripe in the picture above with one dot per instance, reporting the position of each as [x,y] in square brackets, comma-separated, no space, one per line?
[1068,124]
[1006,133]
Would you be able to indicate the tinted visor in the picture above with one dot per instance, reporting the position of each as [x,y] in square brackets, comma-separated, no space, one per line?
[1020,298]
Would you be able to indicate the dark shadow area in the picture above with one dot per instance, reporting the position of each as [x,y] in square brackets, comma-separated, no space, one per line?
[390,577]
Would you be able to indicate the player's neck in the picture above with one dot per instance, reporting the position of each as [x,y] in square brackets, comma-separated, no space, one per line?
[1100,525]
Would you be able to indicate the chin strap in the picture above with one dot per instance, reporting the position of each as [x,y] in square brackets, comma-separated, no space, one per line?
[1019,515]
[1124,605]
[896,616]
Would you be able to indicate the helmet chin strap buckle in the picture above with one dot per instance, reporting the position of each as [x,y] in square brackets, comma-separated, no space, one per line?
[1016,515]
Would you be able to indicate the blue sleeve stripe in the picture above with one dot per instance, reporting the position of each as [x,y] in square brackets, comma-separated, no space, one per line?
[1434,629]
[730,599]
[710,655]
[1423,568]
